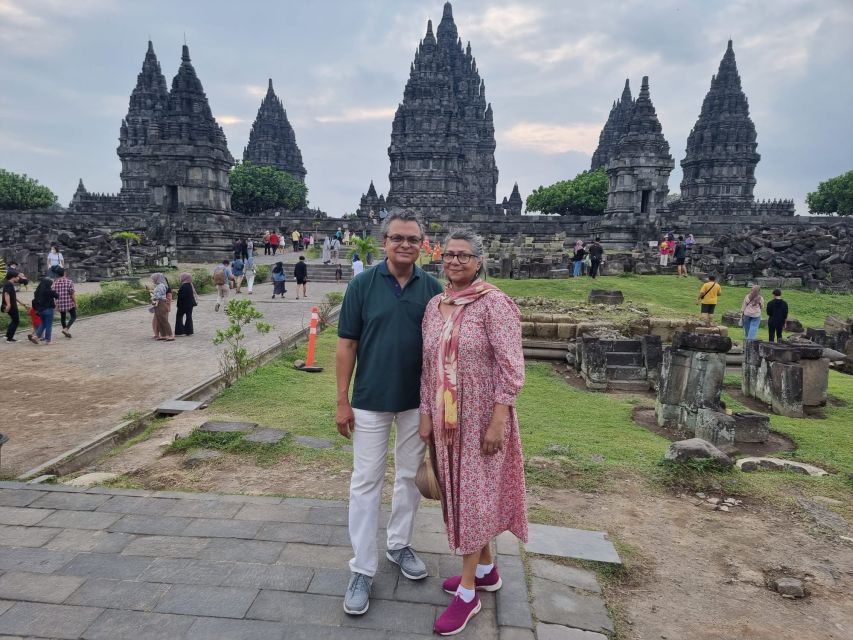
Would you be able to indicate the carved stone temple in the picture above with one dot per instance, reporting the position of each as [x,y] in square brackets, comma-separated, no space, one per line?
[272,141]
[442,149]
[174,155]
[613,129]
[640,164]
[719,166]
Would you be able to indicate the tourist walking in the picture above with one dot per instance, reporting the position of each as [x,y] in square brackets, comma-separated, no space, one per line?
[473,369]
[327,250]
[346,238]
[357,265]
[55,260]
[237,248]
[278,280]
[266,241]
[578,258]
[222,276]
[751,310]
[335,250]
[160,306]
[777,314]
[10,302]
[680,254]
[44,303]
[380,330]
[300,272]
[294,238]
[187,299]
[250,271]
[339,273]
[596,257]
[274,240]
[708,294]
[238,270]
[663,248]
[66,303]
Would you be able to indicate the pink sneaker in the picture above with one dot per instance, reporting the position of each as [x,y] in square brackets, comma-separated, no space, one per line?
[489,582]
[456,616]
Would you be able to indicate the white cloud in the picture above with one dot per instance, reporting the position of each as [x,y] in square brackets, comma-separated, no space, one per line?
[229,120]
[255,90]
[549,138]
[9,142]
[358,114]
[37,28]
[498,25]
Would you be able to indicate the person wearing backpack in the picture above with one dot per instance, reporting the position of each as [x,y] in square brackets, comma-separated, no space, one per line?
[708,294]
[221,277]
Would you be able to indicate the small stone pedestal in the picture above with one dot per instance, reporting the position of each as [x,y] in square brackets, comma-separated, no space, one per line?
[602,296]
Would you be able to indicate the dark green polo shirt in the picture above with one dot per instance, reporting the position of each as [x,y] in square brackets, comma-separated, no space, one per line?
[386,320]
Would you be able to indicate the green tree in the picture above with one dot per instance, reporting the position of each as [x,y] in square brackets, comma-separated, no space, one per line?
[21,192]
[128,237]
[585,195]
[363,246]
[833,196]
[255,189]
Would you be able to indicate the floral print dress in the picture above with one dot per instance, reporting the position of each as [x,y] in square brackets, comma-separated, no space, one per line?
[483,496]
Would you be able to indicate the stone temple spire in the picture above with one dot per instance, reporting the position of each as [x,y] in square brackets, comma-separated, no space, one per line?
[442,138]
[514,204]
[613,129]
[147,103]
[193,160]
[721,149]
[272,141]
[639,172]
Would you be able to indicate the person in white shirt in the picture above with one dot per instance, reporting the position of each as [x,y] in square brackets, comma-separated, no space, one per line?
[357,266]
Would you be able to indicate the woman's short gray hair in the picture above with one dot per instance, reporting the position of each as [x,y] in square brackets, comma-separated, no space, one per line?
[470,237]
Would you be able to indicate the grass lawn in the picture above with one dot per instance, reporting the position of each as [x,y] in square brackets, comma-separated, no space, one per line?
[597,443]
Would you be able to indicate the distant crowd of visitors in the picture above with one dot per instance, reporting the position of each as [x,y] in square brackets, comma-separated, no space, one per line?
[751,310]
[275,242]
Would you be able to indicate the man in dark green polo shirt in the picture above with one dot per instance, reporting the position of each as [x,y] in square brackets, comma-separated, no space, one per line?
[380,330]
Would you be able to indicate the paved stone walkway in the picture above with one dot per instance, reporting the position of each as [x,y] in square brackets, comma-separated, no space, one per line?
[69,392]
[109,564]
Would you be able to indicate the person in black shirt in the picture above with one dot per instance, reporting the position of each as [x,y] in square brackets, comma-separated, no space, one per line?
[300,272]
[10,302]
[44,302]
[777,313]
[596,253]
[681,257]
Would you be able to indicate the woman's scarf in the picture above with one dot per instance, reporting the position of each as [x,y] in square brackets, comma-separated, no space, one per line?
[447,391]
[278,268]
[159,278]
[754,294]
[578,245]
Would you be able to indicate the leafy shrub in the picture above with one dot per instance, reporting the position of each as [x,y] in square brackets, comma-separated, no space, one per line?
[262,273]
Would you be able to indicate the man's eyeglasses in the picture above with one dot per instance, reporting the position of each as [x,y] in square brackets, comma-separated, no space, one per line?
[412,240]
[464,258]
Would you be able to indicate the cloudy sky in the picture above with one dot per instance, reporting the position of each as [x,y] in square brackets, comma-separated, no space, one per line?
[551,67]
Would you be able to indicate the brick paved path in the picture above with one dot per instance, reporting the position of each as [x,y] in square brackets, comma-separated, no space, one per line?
[112,564]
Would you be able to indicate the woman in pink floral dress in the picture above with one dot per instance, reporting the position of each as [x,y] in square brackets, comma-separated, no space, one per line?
[473,368]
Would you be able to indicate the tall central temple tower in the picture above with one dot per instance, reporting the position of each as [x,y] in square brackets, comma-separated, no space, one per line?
[442,149]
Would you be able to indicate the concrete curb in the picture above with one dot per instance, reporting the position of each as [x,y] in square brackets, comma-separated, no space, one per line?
[83,454]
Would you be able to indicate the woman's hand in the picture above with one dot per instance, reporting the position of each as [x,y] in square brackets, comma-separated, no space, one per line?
[425,428]
[493,439]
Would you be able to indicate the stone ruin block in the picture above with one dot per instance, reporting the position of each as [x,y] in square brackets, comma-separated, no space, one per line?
[691,383]
[603,296]
[751,427]
[772,374]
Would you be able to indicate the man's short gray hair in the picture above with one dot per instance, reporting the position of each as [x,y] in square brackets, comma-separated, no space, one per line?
[476,241]
[402,216]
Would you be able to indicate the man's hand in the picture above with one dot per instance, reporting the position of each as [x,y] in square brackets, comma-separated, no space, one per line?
[493,439]
[345,419]
[425,428]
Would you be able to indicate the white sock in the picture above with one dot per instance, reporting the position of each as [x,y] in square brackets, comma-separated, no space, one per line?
[466,594]
[484,569]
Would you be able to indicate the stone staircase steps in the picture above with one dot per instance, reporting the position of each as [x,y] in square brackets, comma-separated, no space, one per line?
[625,358]
[618,372]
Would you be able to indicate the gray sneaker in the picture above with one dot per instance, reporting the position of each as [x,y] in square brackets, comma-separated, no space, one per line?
[410,564]
[357,598]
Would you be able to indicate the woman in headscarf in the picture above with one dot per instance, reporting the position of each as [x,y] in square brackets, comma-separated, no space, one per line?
[187,299]
[473,369]
[160,304]
[250,270]
[751,310]
[278,279]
